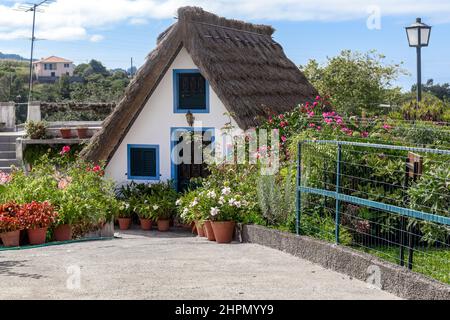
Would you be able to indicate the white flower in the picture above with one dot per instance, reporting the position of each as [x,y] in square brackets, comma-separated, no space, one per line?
[127,205]
[221,200]
[231,201]
[194,203]
[211,194]
[237,204]
[155,207]
[226,191]
[214,211]
[178,202]
[185,213]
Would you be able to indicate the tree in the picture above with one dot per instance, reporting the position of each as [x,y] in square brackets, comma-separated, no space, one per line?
[356,82]
[98,67]
[442,91]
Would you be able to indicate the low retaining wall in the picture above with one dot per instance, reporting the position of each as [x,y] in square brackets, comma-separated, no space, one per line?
[392,278]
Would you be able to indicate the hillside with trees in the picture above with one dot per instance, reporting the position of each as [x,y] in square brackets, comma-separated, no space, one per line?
[92,82]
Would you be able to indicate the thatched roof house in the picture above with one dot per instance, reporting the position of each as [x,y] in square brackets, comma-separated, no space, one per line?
[244,66]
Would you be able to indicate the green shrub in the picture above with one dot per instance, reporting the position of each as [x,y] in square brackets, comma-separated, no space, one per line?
[35,129]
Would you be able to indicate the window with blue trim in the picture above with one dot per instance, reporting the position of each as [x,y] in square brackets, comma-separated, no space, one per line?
[143,162]
[191,92]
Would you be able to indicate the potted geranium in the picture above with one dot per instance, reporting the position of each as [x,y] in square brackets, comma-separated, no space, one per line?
[224,215]
[10,225]
[125,213]
[37,217]
[162,201]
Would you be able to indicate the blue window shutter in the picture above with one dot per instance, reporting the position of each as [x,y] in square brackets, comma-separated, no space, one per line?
[143,162]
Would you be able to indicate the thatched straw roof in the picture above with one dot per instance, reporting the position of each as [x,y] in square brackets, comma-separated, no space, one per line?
[243,64]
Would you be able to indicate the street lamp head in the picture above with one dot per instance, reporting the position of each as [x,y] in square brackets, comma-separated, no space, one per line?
[418,34]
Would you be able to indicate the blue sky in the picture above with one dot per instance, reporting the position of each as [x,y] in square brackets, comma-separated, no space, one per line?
[114,31]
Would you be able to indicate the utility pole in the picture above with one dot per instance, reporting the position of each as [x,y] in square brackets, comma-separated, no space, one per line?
[131,69]
[32,8]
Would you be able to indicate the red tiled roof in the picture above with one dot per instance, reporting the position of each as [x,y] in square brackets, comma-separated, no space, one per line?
[53,59]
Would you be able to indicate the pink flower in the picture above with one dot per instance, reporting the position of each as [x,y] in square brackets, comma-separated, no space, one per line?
[317,98]
[281,117]
[312,125]
[328,121]
[315,104]
[65,150]
[4,178]
[387,127]
[319,128]
[96,169]
[283,124]
[62,184]
[364,134]
[283,138]
[311,114]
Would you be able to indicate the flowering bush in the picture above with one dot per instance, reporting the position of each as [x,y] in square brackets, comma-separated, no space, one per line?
[37,215]
[208,203]
[76,190]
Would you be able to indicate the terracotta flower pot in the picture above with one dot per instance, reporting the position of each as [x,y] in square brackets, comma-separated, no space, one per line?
[163,225]
[124,223]
[200,229]
[146,224]
[82,133]
[63,232]
[11,239]
[66,133]
[37,236]
[209,231]
[223,231]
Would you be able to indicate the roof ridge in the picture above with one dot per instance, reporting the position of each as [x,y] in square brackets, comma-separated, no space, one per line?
[197,14]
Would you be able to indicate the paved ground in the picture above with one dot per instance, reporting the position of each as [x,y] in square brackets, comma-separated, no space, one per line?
[170,266]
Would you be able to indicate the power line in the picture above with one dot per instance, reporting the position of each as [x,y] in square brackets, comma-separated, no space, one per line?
[32,8]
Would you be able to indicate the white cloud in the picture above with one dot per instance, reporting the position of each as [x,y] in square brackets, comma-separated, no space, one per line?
[96,38]
[71,20]
[138,21]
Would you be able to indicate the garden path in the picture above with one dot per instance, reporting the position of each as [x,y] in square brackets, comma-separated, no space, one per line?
[173,265]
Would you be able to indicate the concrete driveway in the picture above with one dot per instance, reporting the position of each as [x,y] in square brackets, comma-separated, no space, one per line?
[174,265]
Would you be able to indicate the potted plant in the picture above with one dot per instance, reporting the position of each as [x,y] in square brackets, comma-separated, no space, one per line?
[10,225]
[68,213]
[162,215]
[162,202]
[37,217]
[113,207]
[35,129]
[125,213]
[66,133]
[224,214]
[145,214]
[82,132]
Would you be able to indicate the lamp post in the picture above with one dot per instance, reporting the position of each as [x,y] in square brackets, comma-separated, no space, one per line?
[418,36]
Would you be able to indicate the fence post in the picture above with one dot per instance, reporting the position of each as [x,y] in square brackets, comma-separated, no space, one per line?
[298,204]
[338,190]
[7,114]
[34,111]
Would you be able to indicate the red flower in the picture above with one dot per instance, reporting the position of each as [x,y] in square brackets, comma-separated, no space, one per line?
[283,138]
[96,169]
[65,150]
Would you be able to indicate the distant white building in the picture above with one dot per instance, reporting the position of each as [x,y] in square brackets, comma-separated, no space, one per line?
[53,67]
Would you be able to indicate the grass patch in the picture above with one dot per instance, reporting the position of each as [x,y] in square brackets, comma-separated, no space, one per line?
[431,262]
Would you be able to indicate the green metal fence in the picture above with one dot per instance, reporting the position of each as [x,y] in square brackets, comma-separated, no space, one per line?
[390,201]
